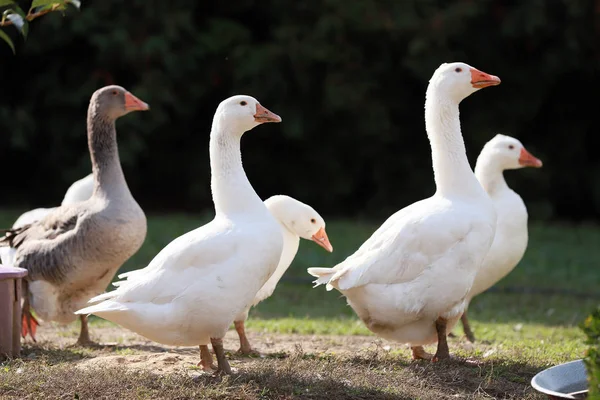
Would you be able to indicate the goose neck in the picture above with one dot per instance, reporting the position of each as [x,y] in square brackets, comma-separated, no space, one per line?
[231,190]
[104,153]
[490,175]
[452,172]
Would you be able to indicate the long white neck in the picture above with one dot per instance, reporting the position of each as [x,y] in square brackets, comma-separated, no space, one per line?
[453,174]
[291,243]
[490,175]
[232,192]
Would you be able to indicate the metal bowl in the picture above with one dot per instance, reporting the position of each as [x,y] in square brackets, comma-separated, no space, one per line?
[563,381]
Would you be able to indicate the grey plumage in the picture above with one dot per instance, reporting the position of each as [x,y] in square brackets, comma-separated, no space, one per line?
[47,258]
[73,252]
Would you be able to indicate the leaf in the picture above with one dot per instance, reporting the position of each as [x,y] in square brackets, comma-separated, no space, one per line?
[16,19]
[25,29]
[6,3]
[42,3]
[76,3]
[39,5]
[8,40]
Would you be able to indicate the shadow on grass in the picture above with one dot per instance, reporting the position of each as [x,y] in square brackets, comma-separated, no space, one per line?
[372,375]
[385,376]
[459,376]
[380,374]
[52,355]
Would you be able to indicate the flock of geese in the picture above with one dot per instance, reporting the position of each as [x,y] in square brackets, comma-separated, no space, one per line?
[410,282]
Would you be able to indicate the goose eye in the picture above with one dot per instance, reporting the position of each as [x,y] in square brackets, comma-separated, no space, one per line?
[458,69]
[114,92]
[313,221]
[511,147]
[243,103]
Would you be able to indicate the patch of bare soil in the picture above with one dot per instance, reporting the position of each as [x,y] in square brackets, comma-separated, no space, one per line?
[126,365]
[120,347]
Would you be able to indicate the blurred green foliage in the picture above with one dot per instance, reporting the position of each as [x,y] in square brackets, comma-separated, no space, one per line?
[13,15]
[591,328]
[348,79]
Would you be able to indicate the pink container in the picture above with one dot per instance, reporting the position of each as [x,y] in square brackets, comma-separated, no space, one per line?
[10,310]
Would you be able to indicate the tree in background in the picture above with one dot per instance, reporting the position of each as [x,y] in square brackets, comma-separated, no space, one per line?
[13,15]
[348,79]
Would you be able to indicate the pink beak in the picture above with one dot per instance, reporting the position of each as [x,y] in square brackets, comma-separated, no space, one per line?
[322,240]
[263,115]
[527,159]
[132,103]
[480,79]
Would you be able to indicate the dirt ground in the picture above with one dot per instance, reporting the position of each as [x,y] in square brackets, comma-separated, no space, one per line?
[120,347]
[126,365]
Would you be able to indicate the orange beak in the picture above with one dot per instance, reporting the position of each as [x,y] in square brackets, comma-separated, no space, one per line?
[132,103]
[481,79]
[322,240]
[527,159]
[263,115]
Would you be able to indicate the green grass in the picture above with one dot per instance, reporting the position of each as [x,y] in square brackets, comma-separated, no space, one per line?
[518,329]
[560,257]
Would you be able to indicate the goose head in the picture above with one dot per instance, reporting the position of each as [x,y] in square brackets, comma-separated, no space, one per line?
[300,219]
[460,80]
[115,101]
[242,113]
[509,153]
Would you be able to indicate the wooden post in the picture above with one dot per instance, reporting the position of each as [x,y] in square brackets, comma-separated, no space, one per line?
[10,310]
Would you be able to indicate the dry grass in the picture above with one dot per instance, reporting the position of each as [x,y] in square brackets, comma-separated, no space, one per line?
[373,375]
[294,366]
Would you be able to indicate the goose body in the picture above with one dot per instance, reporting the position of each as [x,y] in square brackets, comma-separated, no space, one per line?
[56,293]
[73,252]
[418,266]
[409,281]
[297,220]
[195,286]
[80,190]
[192,290]
[510,242]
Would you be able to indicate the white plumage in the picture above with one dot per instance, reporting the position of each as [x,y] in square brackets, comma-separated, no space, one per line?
[192,290]
[408,282]
[499,154]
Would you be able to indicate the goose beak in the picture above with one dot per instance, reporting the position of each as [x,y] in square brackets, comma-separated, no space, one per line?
[132,103]
[527,159]
[480,79]
[322,240]
[263,115]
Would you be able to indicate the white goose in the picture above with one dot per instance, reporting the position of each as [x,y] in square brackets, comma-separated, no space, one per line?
[193,289]
[408,282]
[80,190]
[297,220]
[499,154]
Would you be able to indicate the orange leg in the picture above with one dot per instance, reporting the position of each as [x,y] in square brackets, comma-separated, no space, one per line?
[419,353]
[222,363]
[84,334]
[443,352]
[467,328]
[206,359]
[28,322]
[245,347]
